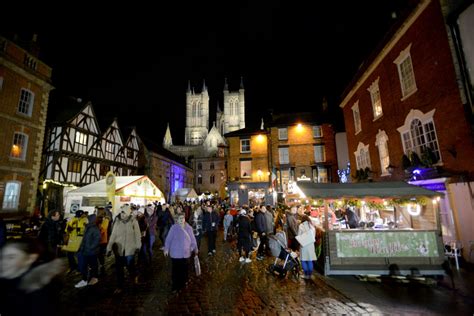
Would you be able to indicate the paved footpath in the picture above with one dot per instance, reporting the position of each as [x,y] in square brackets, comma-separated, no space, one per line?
[225,287]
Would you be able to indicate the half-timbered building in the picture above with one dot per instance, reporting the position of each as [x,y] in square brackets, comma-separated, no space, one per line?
[76,153]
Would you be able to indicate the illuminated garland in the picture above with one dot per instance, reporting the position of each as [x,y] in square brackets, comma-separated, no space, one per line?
[58,183]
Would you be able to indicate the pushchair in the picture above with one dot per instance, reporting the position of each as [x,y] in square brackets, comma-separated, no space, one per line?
[285,259]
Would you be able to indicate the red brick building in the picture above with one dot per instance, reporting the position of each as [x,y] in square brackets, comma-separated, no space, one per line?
[25,84]
[407,101]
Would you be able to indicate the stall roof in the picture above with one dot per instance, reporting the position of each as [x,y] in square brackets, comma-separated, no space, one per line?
[98,188]
[363,190]
[186,193]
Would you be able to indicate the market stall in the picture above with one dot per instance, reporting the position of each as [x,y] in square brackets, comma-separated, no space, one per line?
[139,190]
[376,227]
[184,194]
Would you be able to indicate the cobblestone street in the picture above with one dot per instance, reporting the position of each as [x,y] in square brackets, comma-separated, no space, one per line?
[226,287]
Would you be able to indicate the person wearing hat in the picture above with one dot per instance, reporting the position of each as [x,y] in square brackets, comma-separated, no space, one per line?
[244,241]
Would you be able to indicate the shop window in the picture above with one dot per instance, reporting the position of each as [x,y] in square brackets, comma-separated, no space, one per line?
[375,99]
[74,166]
[11,196]
[245,145]
[283,155]
[356,115]
[319,153]
[19,146]
[419,134]
[25,105]
[406,73]
[317,131]
[245,168]
[283,133]
[382,145]
[362,156]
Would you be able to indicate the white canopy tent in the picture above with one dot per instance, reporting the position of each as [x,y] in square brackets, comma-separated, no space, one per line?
[138,190]
[184,194]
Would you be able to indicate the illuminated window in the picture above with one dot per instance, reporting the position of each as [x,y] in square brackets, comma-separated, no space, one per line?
[74,166]
[356,115]
[283,133]
[25,105]
[11,197]
[20,143]
[322,174]
[406,73]
[375,98]
[283,155]
[317,131]
[362,156]
[81,138]
[319,153]
[382,145]
[245,145]
[245,168]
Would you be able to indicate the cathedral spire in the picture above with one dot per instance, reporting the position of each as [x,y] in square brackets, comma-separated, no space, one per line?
[204,88]
[241,82]
[226,87]
[262,127]
[189,86]
[218,108]
[167,140]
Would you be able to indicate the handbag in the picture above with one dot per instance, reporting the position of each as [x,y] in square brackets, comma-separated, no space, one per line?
[306,238]
[197,265]
[73,243]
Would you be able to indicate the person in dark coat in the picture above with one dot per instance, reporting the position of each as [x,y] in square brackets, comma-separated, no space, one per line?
[151,220]
[89,250]
[210,223]
[261,228]
[244,241]
[292,228]
[51,234]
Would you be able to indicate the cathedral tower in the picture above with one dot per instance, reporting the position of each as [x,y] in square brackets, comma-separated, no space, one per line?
[234,108]
[197,116]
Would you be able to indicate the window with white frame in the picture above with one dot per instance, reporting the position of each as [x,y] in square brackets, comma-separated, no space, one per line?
[283,155]
[245,145]
[25,105]
[382,144]
[419,133]
[406,73]
[246,168]
[356,115]
[319,153]
[11,198]
[19,146]
[317,131]
[375,98]
[362,156]
[283,133]
[81,138]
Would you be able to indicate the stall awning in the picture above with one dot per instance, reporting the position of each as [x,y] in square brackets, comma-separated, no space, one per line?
[387,190]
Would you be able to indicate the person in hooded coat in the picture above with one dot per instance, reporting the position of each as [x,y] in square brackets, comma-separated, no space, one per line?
[88,251]
[125,242]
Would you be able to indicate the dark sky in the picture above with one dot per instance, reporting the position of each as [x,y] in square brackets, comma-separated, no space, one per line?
[134,62]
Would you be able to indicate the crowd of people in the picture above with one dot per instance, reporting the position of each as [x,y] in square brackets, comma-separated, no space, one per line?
[131,234]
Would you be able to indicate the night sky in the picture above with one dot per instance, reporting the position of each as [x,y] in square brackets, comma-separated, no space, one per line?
[134,62]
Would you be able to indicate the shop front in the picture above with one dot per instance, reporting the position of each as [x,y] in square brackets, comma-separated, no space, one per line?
[250,193]
[377,228]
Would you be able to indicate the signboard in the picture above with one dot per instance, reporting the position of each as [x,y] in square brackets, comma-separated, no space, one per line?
[75,206]
[387,244]
[95,201]
[110,188]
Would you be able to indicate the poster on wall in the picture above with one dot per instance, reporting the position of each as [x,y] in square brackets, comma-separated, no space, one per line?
[387,244]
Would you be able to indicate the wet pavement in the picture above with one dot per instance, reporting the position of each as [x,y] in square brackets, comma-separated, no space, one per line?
[228,287]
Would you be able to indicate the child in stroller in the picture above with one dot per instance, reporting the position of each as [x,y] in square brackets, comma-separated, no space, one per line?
[286,260]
